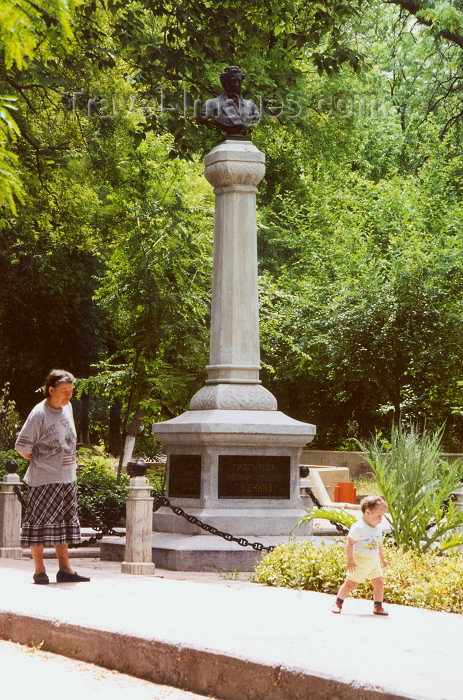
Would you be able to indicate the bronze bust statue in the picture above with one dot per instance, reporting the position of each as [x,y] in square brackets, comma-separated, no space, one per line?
[229,111]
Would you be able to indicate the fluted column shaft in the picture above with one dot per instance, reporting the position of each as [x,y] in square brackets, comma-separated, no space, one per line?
[234,168]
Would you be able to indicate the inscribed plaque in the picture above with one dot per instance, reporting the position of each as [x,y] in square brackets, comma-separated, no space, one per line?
[184,476]
[254,476]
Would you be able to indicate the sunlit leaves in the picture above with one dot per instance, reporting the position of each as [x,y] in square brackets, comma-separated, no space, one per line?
[26,26]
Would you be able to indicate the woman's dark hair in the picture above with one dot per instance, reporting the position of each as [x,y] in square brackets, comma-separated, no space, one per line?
[55,377]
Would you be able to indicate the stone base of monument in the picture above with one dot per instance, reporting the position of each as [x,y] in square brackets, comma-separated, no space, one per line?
[236,470]
[263,520]
[177,552]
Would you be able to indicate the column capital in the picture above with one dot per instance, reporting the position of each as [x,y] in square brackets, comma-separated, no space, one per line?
[235,163]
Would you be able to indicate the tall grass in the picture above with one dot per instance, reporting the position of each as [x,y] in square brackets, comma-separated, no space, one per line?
[417,484]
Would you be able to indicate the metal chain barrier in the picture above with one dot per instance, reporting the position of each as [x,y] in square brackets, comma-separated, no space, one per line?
[19,496]
[102,531]
[164,501]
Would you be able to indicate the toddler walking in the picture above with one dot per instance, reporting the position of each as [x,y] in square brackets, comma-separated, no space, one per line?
[365,554]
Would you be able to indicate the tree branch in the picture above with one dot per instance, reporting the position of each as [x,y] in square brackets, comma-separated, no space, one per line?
[415,7]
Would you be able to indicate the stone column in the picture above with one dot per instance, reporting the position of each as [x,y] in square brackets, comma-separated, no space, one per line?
[139,512]
[233,458]
[234,168]
[10,518]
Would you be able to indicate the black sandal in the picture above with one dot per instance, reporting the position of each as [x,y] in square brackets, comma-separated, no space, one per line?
[64,577]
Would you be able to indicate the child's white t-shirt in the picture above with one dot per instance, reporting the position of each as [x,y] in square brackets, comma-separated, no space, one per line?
[366,538]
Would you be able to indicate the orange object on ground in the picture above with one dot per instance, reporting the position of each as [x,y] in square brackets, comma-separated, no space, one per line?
[345,492]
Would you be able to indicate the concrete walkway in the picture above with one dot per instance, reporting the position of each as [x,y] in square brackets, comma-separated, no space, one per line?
[231,639]
[56,677]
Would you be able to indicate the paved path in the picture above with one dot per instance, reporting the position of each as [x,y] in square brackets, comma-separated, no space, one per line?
[56,677]
[234,639]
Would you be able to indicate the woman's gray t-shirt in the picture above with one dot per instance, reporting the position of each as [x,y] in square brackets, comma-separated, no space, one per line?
[50,436]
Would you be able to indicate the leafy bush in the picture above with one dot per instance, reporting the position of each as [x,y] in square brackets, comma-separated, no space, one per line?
[304,566]
[411,578]
[157,480]
[417,484]
[9,419]
[101,497]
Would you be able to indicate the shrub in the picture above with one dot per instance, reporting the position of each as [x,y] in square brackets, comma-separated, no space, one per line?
[304,566]
[101,497]
[158,482]
[9,419]
[411,578]
[417,484]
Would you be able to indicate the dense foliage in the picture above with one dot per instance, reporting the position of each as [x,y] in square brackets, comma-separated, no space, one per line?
[419,580]
[9,419]
[100,495]
[106,219]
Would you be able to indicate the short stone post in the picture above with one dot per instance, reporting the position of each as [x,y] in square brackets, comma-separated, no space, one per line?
[139,514]
[10,514]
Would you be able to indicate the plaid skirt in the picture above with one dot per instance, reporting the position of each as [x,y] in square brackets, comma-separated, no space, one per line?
[51,516]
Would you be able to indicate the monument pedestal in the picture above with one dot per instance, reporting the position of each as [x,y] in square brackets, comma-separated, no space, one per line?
[197,552]
[236,470]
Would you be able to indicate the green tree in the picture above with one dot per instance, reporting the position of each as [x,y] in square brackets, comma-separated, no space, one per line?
[153,292]
[24,29]
[106,266]
[363,313]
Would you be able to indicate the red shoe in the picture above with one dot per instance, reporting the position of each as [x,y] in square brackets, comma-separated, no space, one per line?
[379,610]
[336,609]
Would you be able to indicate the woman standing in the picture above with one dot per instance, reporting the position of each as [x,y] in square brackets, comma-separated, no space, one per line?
[48,440]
